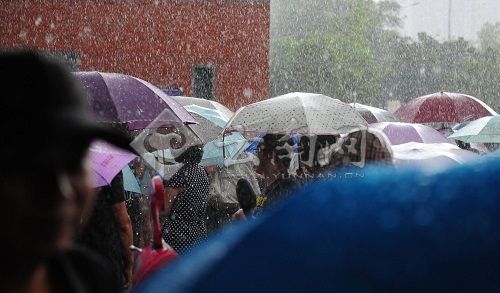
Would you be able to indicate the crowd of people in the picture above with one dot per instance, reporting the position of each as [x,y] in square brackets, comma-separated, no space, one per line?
[63,235]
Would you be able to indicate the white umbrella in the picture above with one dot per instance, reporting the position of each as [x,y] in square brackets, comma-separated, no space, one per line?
[373,114]
[297,113]
[431,157]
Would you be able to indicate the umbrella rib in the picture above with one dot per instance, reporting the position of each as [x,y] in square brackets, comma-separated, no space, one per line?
[305,113]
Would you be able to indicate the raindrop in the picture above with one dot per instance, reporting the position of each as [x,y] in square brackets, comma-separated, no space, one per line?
[436,69]
[247,92]
[49,38]
[38,20]
[422,71]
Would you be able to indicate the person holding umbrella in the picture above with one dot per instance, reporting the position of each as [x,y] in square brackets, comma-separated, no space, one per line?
[107,230]
[274,166]
[186,202]
[45,193]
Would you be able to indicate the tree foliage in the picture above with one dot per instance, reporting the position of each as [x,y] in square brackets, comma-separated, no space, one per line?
[350,50]
[489,37]
[337,59]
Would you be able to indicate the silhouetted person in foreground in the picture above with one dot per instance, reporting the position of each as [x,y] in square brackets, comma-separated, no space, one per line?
[46,182]
[108,230]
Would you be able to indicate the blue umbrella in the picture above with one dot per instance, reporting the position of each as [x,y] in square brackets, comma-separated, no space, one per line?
[213,115]
[129,181]
[217,151]
[254,145]
[382,231]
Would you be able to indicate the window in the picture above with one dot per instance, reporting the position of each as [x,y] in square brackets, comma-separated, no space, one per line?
[204,81]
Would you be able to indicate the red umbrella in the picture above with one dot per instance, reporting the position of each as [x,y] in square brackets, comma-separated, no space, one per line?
[443,107]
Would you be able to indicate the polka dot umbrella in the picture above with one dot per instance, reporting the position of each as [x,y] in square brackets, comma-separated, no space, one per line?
[304,113]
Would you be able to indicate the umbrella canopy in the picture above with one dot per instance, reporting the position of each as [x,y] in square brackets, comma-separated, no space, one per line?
[119,98]
[130,183]
[443,107]
[107,161]
[485,130]
[373,114]
[391,232]
[186,101]
[216,151]
[204,128]
[303,113]
[174,135]
[431,157]
[399,133]
[213,115]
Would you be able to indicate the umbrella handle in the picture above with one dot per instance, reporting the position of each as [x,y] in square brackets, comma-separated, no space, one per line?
[157,195]
[223,148]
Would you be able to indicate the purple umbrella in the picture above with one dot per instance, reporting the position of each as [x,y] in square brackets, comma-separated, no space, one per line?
[119,98]
[107,161]
[399,133]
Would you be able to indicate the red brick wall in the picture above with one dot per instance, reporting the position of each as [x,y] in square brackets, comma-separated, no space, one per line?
[157,40]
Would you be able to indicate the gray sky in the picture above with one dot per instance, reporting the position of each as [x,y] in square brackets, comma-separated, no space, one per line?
[432,16]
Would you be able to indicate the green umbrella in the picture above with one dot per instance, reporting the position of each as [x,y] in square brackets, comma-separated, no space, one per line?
[485,130]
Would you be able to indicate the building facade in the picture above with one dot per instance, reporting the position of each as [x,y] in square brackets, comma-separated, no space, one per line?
[214,49]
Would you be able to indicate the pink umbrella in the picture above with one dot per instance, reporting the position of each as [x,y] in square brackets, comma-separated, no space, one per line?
[443,107]
[107,161]
[399,133]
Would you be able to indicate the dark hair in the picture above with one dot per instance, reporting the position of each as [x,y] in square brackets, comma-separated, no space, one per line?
[192,155]
[246,196]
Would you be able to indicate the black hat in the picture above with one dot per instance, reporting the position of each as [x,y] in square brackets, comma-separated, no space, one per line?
[44,117]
